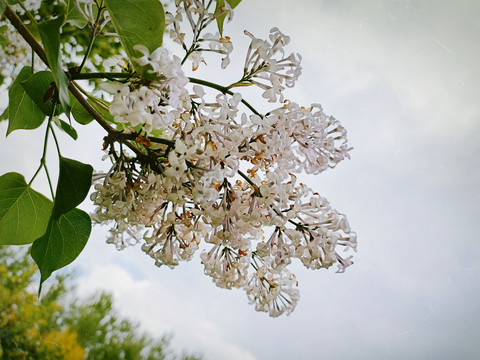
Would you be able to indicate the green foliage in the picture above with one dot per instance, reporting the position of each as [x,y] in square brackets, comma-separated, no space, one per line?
[27,325]
[131,31]
[23,112]
[50,34]
[69,228]
[44,329]
[107,335]
[24,213]
[115,338]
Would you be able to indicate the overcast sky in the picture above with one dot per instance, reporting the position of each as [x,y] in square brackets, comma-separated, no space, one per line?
[403,78]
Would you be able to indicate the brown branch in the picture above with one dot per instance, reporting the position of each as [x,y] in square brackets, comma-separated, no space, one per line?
[101,75]
[72,86]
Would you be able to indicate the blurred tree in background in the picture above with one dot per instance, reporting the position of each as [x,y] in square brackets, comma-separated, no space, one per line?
[51,328]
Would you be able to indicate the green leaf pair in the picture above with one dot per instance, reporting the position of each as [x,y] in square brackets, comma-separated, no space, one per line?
[24,213]
[59,231]
[23,112]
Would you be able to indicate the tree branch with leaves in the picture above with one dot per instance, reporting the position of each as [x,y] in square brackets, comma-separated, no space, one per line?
[194,163]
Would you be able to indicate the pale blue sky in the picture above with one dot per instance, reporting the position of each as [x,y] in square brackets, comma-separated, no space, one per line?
[403,78]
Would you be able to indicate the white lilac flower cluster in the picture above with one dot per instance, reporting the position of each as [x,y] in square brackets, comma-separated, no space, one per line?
[267,64]
[219,177]
[199,16]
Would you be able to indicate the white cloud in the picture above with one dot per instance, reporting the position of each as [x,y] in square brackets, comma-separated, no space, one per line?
[162,309]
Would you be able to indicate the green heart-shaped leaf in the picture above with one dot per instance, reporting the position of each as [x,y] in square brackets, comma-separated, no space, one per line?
[24,213]
[37,86]
[63,241]
[23,113]
[74,181]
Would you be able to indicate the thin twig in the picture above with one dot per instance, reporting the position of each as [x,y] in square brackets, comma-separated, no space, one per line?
[223,90]
[99,75]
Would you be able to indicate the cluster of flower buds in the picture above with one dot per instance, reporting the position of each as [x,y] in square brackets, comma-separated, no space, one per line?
[218,177]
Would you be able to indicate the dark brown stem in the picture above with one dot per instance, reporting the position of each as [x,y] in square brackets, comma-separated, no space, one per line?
[120,136]
[100,75]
